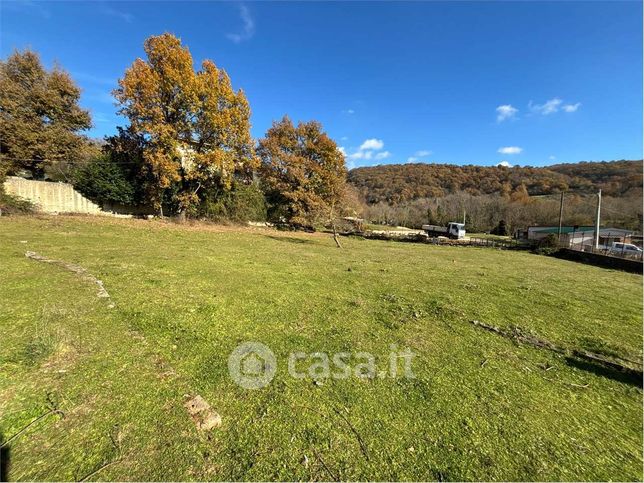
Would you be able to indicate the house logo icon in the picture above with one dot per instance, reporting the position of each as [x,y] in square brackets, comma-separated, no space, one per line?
[252,365]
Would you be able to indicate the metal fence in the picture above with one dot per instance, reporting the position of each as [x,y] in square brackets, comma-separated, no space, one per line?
[419,237]
[586,243]
[589,247]
[496,242]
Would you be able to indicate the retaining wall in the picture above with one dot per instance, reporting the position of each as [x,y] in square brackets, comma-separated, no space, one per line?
[51,197]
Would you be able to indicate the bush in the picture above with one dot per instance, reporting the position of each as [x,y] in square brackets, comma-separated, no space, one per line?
[550,241]
[13,205]
[242,203]
[500,229]
[246,203]
[548,245]
[104,181]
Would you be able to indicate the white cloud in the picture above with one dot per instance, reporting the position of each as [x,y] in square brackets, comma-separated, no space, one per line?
[370,149]
[383,155]
[348,111]
[510,150]
[344,138]
[505,164]
[248,28]
[506,111]
[372,143]
[412,159]
[105,9]
[422,153]
[361,155]
[27,6]
[571,107]
[552,158]
[549,107]
[342,150]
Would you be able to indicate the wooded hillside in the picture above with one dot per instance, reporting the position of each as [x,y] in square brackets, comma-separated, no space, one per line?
[397,183]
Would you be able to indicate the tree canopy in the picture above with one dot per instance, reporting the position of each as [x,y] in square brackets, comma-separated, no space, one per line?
[303,171]
[41,120]
[195,127]
[396,183]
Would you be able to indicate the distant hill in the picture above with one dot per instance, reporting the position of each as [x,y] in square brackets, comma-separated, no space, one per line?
[396,183]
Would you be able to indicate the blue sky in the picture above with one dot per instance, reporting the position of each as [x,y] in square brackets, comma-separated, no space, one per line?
[530,83]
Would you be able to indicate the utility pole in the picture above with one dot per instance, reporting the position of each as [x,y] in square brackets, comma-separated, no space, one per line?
[599,207]
[560,216]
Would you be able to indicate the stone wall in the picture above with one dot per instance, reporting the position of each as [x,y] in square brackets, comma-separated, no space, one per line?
[51,197]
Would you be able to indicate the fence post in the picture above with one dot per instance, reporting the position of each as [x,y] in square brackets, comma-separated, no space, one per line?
[623,248]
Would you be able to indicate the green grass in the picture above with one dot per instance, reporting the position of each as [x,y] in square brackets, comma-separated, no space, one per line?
[480,407]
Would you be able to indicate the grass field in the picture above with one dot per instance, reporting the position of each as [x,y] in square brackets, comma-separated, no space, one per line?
[480,407]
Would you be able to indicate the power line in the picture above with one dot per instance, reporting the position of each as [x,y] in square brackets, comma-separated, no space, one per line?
[71,162]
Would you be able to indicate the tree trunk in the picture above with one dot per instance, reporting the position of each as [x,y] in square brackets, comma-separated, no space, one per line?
[335,237]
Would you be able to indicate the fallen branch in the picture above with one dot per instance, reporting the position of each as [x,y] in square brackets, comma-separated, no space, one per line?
[363,447]
[328,470]
[581,386]
[100,468]
[521,337]
[116,443]
[51,411]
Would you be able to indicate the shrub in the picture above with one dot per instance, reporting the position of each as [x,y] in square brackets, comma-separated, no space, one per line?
[13,205]
[500,229]
[242,203]
[550,241]
[246,203]
[548,245]
[104,181]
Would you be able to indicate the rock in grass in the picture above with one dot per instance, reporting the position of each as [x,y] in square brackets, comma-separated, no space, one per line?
[202,414]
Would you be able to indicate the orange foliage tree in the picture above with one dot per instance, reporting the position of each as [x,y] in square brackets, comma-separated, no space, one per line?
[303,172]
[195,126]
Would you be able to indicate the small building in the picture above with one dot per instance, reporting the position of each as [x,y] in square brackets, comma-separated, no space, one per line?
[578,236]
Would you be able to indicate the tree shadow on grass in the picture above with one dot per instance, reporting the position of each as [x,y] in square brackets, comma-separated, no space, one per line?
[631,377]
[291,239]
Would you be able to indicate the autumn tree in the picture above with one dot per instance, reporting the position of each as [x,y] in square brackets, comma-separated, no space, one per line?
[196,128]
[520,194]
[303,172]
[41,119]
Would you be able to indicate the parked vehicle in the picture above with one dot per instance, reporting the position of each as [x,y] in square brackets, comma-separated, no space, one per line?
[618,248]
[453,230]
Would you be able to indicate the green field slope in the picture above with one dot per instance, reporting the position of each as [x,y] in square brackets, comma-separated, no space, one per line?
[111,382]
